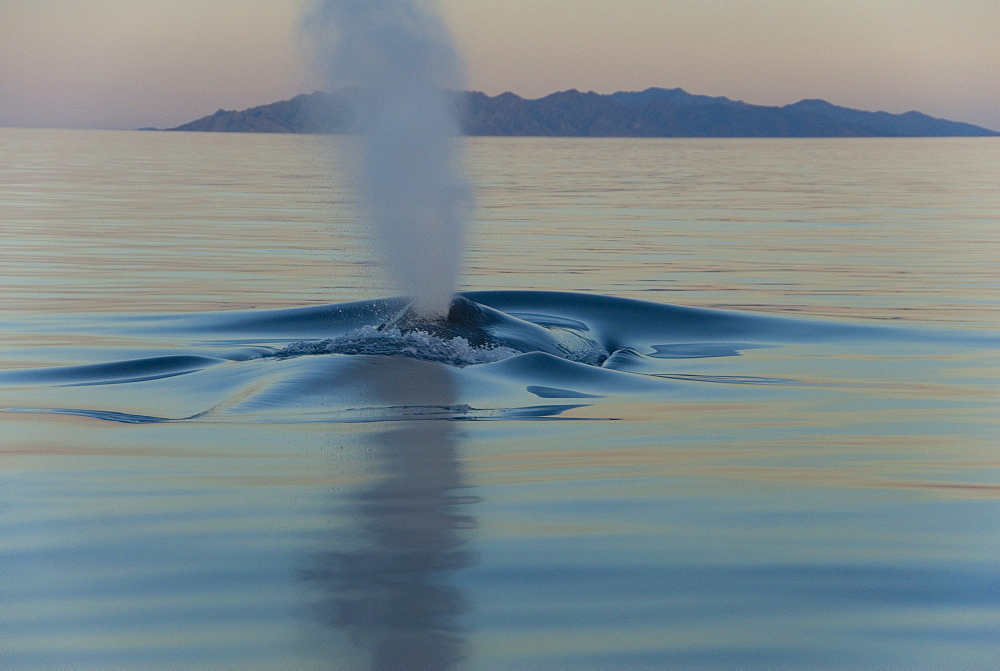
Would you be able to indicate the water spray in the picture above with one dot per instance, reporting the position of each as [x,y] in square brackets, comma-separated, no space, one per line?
[397,59]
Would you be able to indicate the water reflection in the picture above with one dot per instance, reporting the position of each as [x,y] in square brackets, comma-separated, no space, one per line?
[390,591]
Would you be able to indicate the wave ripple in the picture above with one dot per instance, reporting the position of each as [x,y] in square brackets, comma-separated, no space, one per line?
[500,353]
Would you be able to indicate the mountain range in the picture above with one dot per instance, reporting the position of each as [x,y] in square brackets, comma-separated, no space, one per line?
[655,112]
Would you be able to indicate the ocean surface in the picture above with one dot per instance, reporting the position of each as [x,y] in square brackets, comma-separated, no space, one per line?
[720,404]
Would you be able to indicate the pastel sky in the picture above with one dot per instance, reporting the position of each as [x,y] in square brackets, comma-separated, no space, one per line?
[133,63]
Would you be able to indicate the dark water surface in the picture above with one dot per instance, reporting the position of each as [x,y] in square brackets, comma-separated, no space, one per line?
[210,458]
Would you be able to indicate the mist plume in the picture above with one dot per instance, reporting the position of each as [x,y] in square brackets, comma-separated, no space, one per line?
[397,57]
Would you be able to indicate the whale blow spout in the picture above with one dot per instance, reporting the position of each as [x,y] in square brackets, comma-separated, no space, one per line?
[399,65]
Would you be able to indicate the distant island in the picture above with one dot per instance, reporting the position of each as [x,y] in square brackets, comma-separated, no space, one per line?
[655,112]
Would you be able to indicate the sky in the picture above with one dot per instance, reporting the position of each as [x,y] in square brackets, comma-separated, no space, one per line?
[135,63]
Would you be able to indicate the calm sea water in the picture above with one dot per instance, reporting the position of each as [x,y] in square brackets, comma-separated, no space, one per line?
[796,468]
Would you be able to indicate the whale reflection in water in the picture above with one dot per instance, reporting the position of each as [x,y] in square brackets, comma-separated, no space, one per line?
[388,586]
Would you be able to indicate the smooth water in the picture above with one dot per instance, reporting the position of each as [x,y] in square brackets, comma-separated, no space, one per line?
[766,436]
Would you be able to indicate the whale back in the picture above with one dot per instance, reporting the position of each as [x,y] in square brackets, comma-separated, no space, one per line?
[483,326]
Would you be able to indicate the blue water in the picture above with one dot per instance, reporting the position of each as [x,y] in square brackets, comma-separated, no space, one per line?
[198,470]
[624,559]
[308,364]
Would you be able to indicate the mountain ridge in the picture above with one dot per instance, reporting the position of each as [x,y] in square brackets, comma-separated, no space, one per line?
[654,112]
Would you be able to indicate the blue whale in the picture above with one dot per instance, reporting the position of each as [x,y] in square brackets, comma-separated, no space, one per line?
[486,327]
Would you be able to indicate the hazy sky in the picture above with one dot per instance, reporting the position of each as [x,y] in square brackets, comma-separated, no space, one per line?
[132,63]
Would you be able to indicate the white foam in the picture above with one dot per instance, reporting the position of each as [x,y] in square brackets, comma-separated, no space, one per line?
[392,342]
